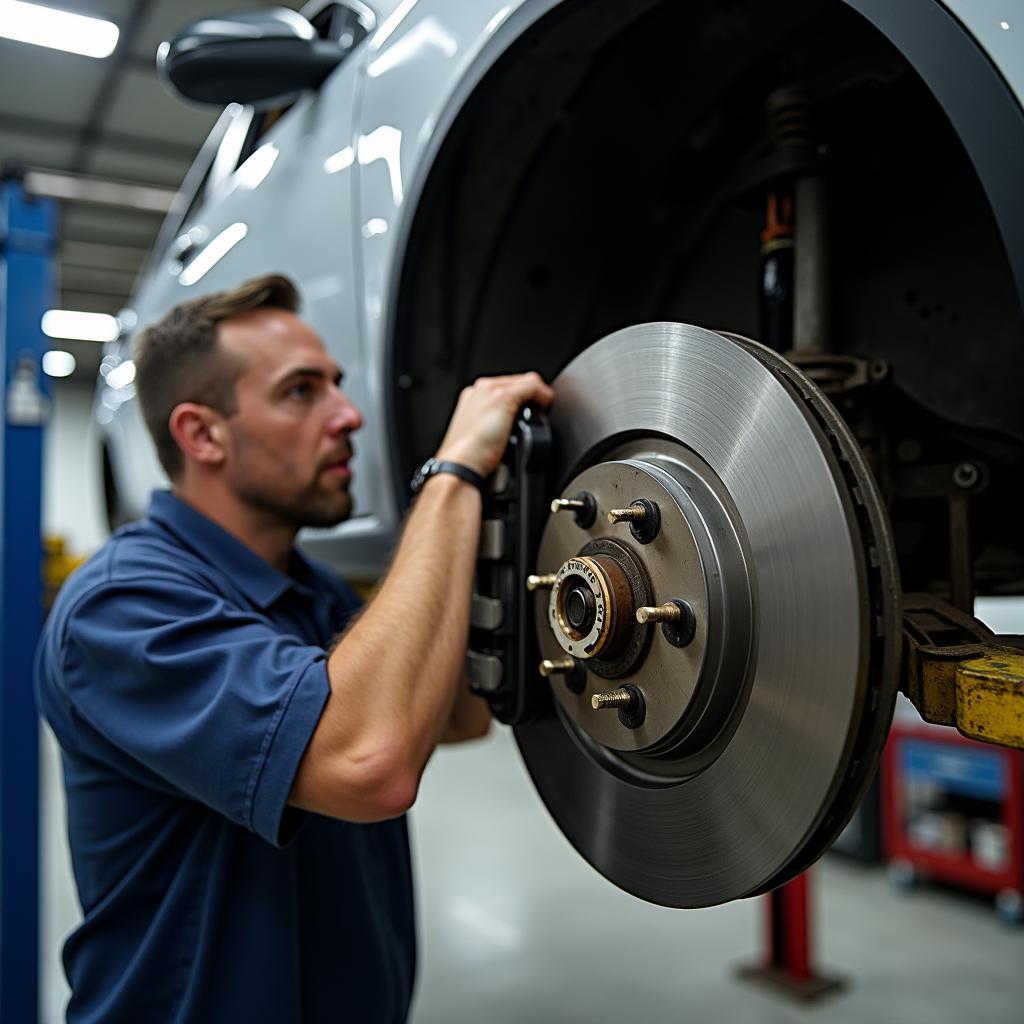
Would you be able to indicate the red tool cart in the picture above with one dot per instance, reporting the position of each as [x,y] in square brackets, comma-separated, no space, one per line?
[953,810]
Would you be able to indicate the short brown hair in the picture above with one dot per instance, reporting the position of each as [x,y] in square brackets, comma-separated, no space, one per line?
[179,360]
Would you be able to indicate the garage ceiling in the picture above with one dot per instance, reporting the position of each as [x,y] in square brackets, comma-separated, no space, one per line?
[109,119]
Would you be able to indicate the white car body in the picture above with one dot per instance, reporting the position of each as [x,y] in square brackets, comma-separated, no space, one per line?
[329,198]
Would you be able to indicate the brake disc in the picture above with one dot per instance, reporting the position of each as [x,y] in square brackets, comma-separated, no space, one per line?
[715,750]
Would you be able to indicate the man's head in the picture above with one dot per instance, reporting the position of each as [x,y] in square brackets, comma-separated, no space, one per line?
[239,393]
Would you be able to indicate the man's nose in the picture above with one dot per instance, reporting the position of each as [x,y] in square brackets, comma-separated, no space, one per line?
[345,417]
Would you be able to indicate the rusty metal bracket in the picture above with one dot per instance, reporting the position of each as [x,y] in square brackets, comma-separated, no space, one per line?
[957,672]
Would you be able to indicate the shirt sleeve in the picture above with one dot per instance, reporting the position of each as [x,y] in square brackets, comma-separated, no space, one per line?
[210,697]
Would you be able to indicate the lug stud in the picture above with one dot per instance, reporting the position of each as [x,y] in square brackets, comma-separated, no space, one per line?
[573,673]
[567,504]
[543,582]
[582,505]
[643,516]
[668,612]
[678,622]
[611,699]
[633,514]
[557,666]
[628,701]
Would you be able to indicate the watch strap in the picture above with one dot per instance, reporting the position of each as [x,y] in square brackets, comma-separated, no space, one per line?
[435,466]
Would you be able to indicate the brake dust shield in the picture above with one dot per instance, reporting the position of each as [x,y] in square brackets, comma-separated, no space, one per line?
[716,750]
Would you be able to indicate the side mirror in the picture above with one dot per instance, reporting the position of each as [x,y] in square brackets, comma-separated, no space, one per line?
[258,57]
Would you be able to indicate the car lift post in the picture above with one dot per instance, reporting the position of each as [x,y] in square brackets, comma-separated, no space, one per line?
[788,966]
[27,240]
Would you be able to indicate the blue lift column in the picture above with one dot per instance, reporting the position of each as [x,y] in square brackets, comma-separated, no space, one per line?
[27,242]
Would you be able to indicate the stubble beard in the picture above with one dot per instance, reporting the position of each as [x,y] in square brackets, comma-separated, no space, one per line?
[313,507]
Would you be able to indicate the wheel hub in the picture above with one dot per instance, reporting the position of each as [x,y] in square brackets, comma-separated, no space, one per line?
[607,575]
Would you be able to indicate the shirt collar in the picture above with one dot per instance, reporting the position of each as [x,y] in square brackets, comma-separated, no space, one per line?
[260,581]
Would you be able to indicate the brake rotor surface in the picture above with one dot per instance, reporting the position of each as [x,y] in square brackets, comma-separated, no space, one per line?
[756,717]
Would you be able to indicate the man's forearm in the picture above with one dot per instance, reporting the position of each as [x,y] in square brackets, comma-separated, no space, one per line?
[416,630]
[470,718]
[393,676]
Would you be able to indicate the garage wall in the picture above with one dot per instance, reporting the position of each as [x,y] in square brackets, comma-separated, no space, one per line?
[72,470]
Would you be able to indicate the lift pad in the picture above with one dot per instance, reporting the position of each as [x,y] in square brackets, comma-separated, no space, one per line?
[956,672]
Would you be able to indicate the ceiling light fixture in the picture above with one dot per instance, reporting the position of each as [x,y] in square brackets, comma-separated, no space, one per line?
[121,375]
[60,30]
[76,326]
[57,363]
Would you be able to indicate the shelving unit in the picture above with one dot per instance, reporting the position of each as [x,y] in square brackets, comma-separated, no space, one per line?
[953,810]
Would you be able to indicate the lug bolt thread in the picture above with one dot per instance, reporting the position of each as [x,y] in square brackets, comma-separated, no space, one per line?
[558,666]
[668,612]
[543,582]
[633,514]
[611,699]
[568,505]
[582,505]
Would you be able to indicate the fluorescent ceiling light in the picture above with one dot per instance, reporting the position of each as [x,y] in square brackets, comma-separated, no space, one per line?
[86,189]
[60,30]
[76,326]
[216,250]
[121,375]
[57,363]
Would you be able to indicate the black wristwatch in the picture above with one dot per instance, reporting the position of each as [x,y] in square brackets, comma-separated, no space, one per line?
[434,466]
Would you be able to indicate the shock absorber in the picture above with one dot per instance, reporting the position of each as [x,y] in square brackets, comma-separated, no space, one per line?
[791,120]
[776,299]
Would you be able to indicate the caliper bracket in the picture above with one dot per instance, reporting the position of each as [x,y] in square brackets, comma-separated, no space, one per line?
[503,656]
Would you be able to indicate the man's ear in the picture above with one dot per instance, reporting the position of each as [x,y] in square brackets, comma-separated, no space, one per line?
[200,433]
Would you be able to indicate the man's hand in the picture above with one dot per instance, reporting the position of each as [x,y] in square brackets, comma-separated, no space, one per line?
[480,426]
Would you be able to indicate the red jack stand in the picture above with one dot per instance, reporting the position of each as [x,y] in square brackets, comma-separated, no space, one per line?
[788,969]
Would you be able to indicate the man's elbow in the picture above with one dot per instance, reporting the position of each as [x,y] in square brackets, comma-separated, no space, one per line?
[396,795]
[357,787]
[384,786]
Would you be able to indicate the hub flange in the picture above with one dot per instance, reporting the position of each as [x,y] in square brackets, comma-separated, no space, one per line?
[696,555]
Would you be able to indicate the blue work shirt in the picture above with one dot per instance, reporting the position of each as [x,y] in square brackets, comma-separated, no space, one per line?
[183,676]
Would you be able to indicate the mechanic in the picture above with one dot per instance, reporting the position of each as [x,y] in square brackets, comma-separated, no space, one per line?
[237,772]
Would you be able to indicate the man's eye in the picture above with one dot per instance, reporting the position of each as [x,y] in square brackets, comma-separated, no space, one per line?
[302,390]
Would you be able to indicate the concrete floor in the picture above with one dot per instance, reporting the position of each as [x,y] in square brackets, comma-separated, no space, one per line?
[516,927]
